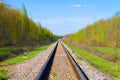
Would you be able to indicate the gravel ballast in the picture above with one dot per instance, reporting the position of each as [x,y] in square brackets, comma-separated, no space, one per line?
[61,67]
[91,72]
[29,69]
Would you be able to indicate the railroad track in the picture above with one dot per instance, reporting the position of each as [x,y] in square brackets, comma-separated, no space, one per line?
[61,65]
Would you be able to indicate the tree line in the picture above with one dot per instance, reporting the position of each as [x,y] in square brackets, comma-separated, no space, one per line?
[101,33]
[16,28]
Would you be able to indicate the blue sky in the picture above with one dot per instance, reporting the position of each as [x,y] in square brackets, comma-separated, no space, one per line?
[67,16]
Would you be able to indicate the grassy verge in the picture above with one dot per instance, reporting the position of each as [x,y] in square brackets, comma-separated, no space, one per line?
[21,57]
[101,64]
[108,52]
[3,75]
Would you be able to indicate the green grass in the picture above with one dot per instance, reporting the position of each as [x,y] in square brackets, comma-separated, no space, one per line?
[53,73]
[101,64]
[21,57]
[3,75]
[107,50]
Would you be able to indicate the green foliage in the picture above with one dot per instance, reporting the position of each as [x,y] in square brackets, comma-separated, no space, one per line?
[25,28]
[101,33]
[4,51]
[101,64]
[22,57]
[16,28]
[9,51]
[3,75]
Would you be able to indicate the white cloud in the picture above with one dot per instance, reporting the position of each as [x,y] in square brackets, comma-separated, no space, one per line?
[77,5]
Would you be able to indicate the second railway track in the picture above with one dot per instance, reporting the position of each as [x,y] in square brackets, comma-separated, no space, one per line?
[60,65]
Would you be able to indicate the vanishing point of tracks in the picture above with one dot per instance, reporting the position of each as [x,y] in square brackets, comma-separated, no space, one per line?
[60,65]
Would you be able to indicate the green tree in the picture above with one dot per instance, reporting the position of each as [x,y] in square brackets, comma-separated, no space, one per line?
[25,28]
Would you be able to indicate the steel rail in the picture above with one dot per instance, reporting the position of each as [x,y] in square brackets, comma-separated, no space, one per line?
[79,72]
[44,73]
